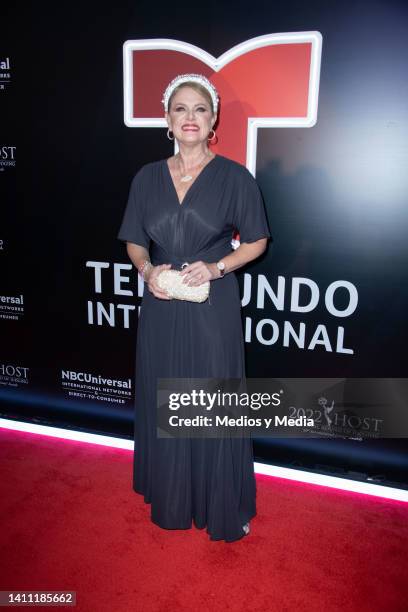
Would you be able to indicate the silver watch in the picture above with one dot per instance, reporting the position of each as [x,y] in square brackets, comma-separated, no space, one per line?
[221,267]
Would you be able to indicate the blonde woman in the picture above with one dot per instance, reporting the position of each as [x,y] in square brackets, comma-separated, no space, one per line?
[185,209]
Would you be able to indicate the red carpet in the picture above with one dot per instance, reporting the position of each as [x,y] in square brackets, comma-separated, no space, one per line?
[70,521]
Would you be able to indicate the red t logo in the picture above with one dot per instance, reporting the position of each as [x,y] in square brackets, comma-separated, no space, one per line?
[268,81]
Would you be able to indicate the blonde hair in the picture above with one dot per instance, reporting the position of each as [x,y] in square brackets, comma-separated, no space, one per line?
[198,87]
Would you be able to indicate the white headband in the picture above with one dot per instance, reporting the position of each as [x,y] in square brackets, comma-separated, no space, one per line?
[196,78]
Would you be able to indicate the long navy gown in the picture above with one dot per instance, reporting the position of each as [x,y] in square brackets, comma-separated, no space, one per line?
[210,482]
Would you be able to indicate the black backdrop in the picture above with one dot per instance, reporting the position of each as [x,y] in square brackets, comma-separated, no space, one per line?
[335,194]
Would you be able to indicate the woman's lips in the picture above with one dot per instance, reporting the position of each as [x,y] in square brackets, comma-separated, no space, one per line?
[190,128]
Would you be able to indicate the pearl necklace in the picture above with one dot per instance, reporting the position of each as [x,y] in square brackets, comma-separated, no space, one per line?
[188,177]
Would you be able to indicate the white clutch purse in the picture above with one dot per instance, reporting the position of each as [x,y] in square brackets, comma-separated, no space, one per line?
[172,283]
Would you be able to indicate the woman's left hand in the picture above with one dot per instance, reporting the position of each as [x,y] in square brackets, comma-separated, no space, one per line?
[199,272]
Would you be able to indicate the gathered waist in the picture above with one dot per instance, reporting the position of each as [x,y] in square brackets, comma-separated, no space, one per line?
[160,256]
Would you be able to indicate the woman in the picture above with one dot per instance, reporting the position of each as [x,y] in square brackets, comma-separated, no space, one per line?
[185,209]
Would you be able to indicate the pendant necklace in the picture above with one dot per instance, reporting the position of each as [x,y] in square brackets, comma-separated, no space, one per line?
[188,177]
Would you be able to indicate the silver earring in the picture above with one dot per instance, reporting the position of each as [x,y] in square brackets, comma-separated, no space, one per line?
[169,130]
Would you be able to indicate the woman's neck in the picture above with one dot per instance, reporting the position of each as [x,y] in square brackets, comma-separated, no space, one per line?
[189,158]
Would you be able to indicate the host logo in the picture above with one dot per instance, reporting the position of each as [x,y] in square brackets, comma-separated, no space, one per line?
[7,153]
[14,371]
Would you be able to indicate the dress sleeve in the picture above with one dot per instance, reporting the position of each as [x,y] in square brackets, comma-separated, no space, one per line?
[250,217]
[132,227]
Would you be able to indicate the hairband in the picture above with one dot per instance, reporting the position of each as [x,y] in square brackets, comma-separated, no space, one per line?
[196,78]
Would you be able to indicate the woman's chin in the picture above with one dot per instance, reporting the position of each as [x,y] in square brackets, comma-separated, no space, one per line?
[190,137]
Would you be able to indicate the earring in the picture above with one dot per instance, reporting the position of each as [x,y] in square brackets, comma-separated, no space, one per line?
[169,130]
[213,136]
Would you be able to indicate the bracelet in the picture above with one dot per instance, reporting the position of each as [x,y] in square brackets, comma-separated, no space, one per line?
[145,266]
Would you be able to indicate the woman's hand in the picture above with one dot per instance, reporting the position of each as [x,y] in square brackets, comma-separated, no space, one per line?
[151,281]
[199,272]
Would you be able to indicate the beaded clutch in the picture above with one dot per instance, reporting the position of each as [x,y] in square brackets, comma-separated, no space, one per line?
[172,283]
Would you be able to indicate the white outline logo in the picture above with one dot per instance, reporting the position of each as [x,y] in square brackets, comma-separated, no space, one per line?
[314,38]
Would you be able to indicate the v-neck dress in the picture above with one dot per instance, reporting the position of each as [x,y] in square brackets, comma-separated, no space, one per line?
[209,481]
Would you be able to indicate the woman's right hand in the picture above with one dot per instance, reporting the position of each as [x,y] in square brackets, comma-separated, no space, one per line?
[151,281]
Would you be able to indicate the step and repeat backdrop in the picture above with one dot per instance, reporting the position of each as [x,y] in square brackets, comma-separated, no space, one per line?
[313,102]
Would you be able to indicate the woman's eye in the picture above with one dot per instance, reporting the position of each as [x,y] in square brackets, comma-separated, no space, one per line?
[201,108]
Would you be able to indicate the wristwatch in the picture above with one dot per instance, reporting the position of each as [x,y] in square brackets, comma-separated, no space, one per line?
[221,267]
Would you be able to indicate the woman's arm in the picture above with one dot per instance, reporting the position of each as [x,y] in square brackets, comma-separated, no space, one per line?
[246,252]
[138,256]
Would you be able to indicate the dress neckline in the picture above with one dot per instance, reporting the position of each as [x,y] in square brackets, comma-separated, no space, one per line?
[192,185]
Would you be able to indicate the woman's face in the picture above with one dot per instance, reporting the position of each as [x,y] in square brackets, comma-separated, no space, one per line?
[190,117]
